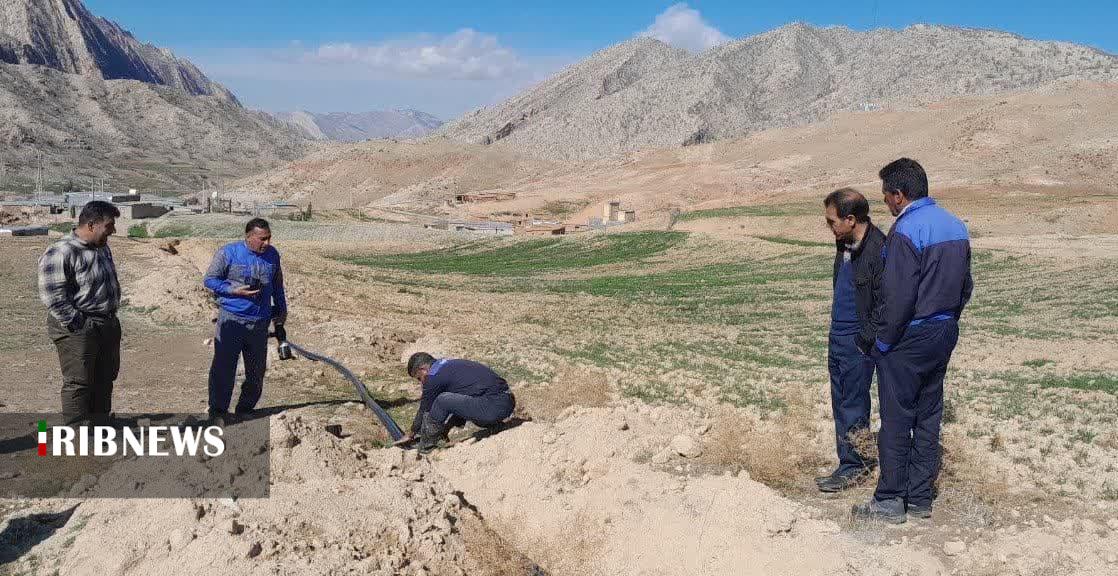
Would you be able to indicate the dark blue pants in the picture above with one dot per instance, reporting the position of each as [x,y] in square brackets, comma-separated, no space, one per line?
[238,338]
[910,394]
[851,376]
[485,411]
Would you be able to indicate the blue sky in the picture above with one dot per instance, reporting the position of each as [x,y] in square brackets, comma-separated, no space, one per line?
[448,57]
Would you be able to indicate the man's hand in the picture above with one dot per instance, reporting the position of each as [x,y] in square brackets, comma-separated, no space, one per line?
[281,333]
[244,291]
[405,440]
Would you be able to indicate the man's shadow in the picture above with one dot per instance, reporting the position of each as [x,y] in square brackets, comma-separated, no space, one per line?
[24,533]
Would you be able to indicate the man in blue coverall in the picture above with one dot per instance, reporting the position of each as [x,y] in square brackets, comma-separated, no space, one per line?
[247,280]
[926,284]
[455,392]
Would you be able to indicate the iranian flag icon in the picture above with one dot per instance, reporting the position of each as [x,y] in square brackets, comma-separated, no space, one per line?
[42,437]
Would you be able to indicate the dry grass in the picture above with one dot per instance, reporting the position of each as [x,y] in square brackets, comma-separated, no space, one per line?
[487,554]
[574,549]
[864,440]
[1108,441]
[768,451]
[964,483]
[573,386]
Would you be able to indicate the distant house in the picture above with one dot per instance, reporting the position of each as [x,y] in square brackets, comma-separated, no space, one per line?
[484,197]
[24,231]
[613,213]
[545,229]
[481,227]
[80,199]
[39,207]
[142,210]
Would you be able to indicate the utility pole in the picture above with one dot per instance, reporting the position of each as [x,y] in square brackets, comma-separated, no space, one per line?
[39,176]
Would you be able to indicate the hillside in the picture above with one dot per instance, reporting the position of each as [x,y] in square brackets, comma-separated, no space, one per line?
[96,102]
[646,94]
[358,126]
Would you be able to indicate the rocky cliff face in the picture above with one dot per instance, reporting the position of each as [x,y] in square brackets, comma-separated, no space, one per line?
[96,102]
[65,36]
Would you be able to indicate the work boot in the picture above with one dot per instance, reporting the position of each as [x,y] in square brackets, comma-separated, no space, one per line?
[921,512]
[430,434]
[891,511]
[840,482]
[821,479]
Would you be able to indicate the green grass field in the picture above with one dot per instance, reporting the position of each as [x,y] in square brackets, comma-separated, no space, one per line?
[776,303]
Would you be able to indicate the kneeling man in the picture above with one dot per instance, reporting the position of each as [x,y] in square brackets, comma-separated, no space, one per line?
[455,392]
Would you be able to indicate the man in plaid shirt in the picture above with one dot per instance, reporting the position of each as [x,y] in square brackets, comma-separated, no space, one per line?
[78,284]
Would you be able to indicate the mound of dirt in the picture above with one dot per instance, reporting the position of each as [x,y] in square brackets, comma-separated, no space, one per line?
[607,490]
[335,507]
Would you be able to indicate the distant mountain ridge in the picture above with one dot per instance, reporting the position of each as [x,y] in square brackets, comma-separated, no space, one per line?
[358,126]
[646,94]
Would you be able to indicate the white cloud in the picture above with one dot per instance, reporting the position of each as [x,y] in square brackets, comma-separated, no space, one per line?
[463,55]
[683,27]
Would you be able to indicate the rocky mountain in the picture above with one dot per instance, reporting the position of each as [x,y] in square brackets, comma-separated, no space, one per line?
[94,101]
[65,36]
[644,93]
[355,127]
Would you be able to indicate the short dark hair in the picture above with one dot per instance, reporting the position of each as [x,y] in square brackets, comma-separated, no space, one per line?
[257,223]
[419,360]
[906,176]
[849,202]
[97,211]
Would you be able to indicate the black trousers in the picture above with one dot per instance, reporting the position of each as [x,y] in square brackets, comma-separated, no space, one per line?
[910,394]
[851,376]
[90,361]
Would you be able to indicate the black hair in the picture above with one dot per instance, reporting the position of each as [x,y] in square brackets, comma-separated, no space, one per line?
[849,202]
[906,176]
[97,211]
[257,223]
[419,360]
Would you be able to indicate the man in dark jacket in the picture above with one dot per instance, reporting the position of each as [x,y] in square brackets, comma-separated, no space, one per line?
[926,285]
[455,392]
[857,281]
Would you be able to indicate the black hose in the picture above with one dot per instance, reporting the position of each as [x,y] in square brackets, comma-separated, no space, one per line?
[385,419]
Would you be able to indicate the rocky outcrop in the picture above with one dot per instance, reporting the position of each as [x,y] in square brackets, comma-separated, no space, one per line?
[65,36]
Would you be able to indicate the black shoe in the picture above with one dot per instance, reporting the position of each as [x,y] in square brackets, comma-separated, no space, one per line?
[921,512]
[431,433]
[891,511]
[838,483]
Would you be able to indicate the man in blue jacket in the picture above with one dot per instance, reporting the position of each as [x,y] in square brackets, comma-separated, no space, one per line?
[857,287]
[247,280]
[455,392]
[926,284]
